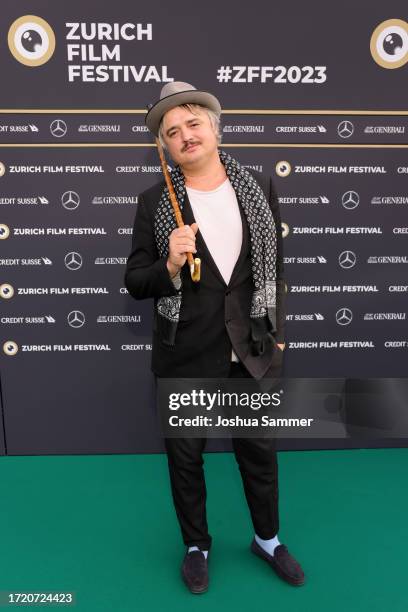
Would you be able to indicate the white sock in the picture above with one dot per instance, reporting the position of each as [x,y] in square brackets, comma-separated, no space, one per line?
[196,548]
[268,545]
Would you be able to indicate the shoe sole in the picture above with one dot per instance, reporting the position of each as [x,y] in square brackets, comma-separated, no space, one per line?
[194,590]
[276,567]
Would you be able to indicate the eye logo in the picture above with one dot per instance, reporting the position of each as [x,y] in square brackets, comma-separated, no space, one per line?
[6,291]
[283,168]
[31,40]
[389,43]
[4,231]
[10,347]
[285,229]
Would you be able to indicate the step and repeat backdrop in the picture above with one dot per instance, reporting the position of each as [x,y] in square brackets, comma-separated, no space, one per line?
[313,95]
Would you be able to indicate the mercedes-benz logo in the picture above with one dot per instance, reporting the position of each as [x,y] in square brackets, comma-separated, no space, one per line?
[347,259]
[344,316]
[73,260]
[76,318]
[58,128]
[345,129]
[70,200]
[350,200]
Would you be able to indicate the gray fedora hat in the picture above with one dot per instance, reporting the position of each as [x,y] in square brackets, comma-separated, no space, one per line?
[173,94]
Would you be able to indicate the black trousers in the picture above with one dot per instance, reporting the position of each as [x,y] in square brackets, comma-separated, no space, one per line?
[257,462]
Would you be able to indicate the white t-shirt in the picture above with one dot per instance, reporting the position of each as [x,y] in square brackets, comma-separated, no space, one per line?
[218,217]
[219,220]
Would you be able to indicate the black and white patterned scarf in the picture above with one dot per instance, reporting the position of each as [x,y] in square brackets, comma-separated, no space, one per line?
[263,251]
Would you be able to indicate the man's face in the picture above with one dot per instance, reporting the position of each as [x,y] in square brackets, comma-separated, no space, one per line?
[189,137]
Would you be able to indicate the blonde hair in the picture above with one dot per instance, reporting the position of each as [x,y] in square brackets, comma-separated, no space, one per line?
[214,118]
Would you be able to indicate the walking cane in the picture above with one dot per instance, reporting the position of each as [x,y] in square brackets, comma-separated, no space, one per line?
[194,263]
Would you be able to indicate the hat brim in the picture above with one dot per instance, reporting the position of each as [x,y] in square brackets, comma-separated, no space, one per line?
[154,115]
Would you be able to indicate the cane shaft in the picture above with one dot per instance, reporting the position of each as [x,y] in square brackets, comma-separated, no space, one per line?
[194,263]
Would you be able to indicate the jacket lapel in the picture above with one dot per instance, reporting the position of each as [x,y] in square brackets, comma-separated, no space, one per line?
[244,246]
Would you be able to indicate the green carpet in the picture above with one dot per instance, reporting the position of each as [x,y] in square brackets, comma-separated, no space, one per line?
[103,526]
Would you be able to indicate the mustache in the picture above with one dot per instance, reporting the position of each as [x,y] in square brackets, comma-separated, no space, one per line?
[188,144]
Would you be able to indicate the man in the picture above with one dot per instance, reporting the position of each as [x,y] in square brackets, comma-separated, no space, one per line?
[229,324]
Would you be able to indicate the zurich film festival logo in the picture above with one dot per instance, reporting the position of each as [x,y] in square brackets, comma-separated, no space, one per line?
[389,43]
[31,40]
